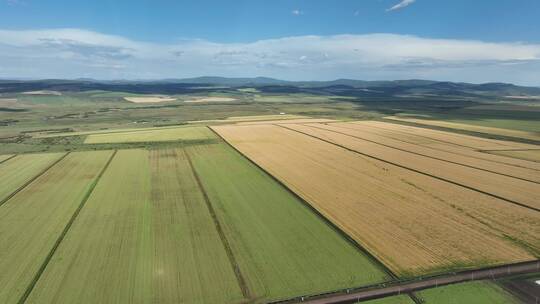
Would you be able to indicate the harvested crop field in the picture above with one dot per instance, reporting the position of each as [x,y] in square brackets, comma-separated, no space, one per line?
[467,127]
[461,140]
[445,142]
[152,135]
[520,191]
[32,221]
[361,133]
[211,99]
[418,225]
[149,99]
[19,170]
[196,226]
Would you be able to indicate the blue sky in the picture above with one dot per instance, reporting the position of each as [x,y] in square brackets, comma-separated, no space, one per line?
[288,39]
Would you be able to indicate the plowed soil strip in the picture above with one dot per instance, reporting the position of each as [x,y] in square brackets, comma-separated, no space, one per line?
[65,231]
[414,170]
[419,154]
[234,264]
[3,201]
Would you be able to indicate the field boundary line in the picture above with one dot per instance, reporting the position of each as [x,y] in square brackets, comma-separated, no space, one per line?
[7,198]
[325,220]
[228,249]
[420,154]
[417,284]
[5,160]
[417,171]
[438,149]
[64,232]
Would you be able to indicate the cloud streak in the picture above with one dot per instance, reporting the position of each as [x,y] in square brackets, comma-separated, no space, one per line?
[402,4]
[72,53]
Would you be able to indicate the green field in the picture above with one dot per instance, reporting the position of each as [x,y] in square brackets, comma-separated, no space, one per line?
[15,172]
[475,292]
[403,299]
[142,237]
[147,234]
[155,135]
[282,247]
[32,221]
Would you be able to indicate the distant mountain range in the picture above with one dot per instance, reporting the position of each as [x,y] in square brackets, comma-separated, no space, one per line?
[344,87]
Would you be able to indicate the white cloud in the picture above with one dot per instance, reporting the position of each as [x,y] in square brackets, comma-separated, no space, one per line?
[72,53]
[297,12]
[402,4]
[15,2]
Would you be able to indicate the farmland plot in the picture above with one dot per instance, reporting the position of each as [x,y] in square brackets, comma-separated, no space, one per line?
[515,190]
[282,247]
[414,136]
[453,138]
[468,127]
[144,236]
[153,135]
[33,220]
[17,171]
[413,223]
[360,133]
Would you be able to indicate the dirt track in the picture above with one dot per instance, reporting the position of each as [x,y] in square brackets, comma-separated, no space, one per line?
[411,286]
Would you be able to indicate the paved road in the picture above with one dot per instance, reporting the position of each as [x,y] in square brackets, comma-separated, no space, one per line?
[411,286]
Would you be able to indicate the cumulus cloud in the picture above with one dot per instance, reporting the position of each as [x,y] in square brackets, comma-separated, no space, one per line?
[297,12]
[402,4]
[72,53]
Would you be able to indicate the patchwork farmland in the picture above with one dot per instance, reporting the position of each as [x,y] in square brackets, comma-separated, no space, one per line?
[261,211]
[423,223]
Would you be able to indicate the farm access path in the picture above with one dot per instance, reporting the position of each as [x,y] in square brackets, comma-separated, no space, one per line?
[407,287]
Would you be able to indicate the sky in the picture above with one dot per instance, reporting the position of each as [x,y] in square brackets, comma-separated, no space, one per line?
[455,40]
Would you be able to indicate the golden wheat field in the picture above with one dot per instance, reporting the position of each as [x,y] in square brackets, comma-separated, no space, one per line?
[516,190]
[416,136]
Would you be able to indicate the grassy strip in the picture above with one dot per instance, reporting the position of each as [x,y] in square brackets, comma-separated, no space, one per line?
[65,231]
[482,292]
